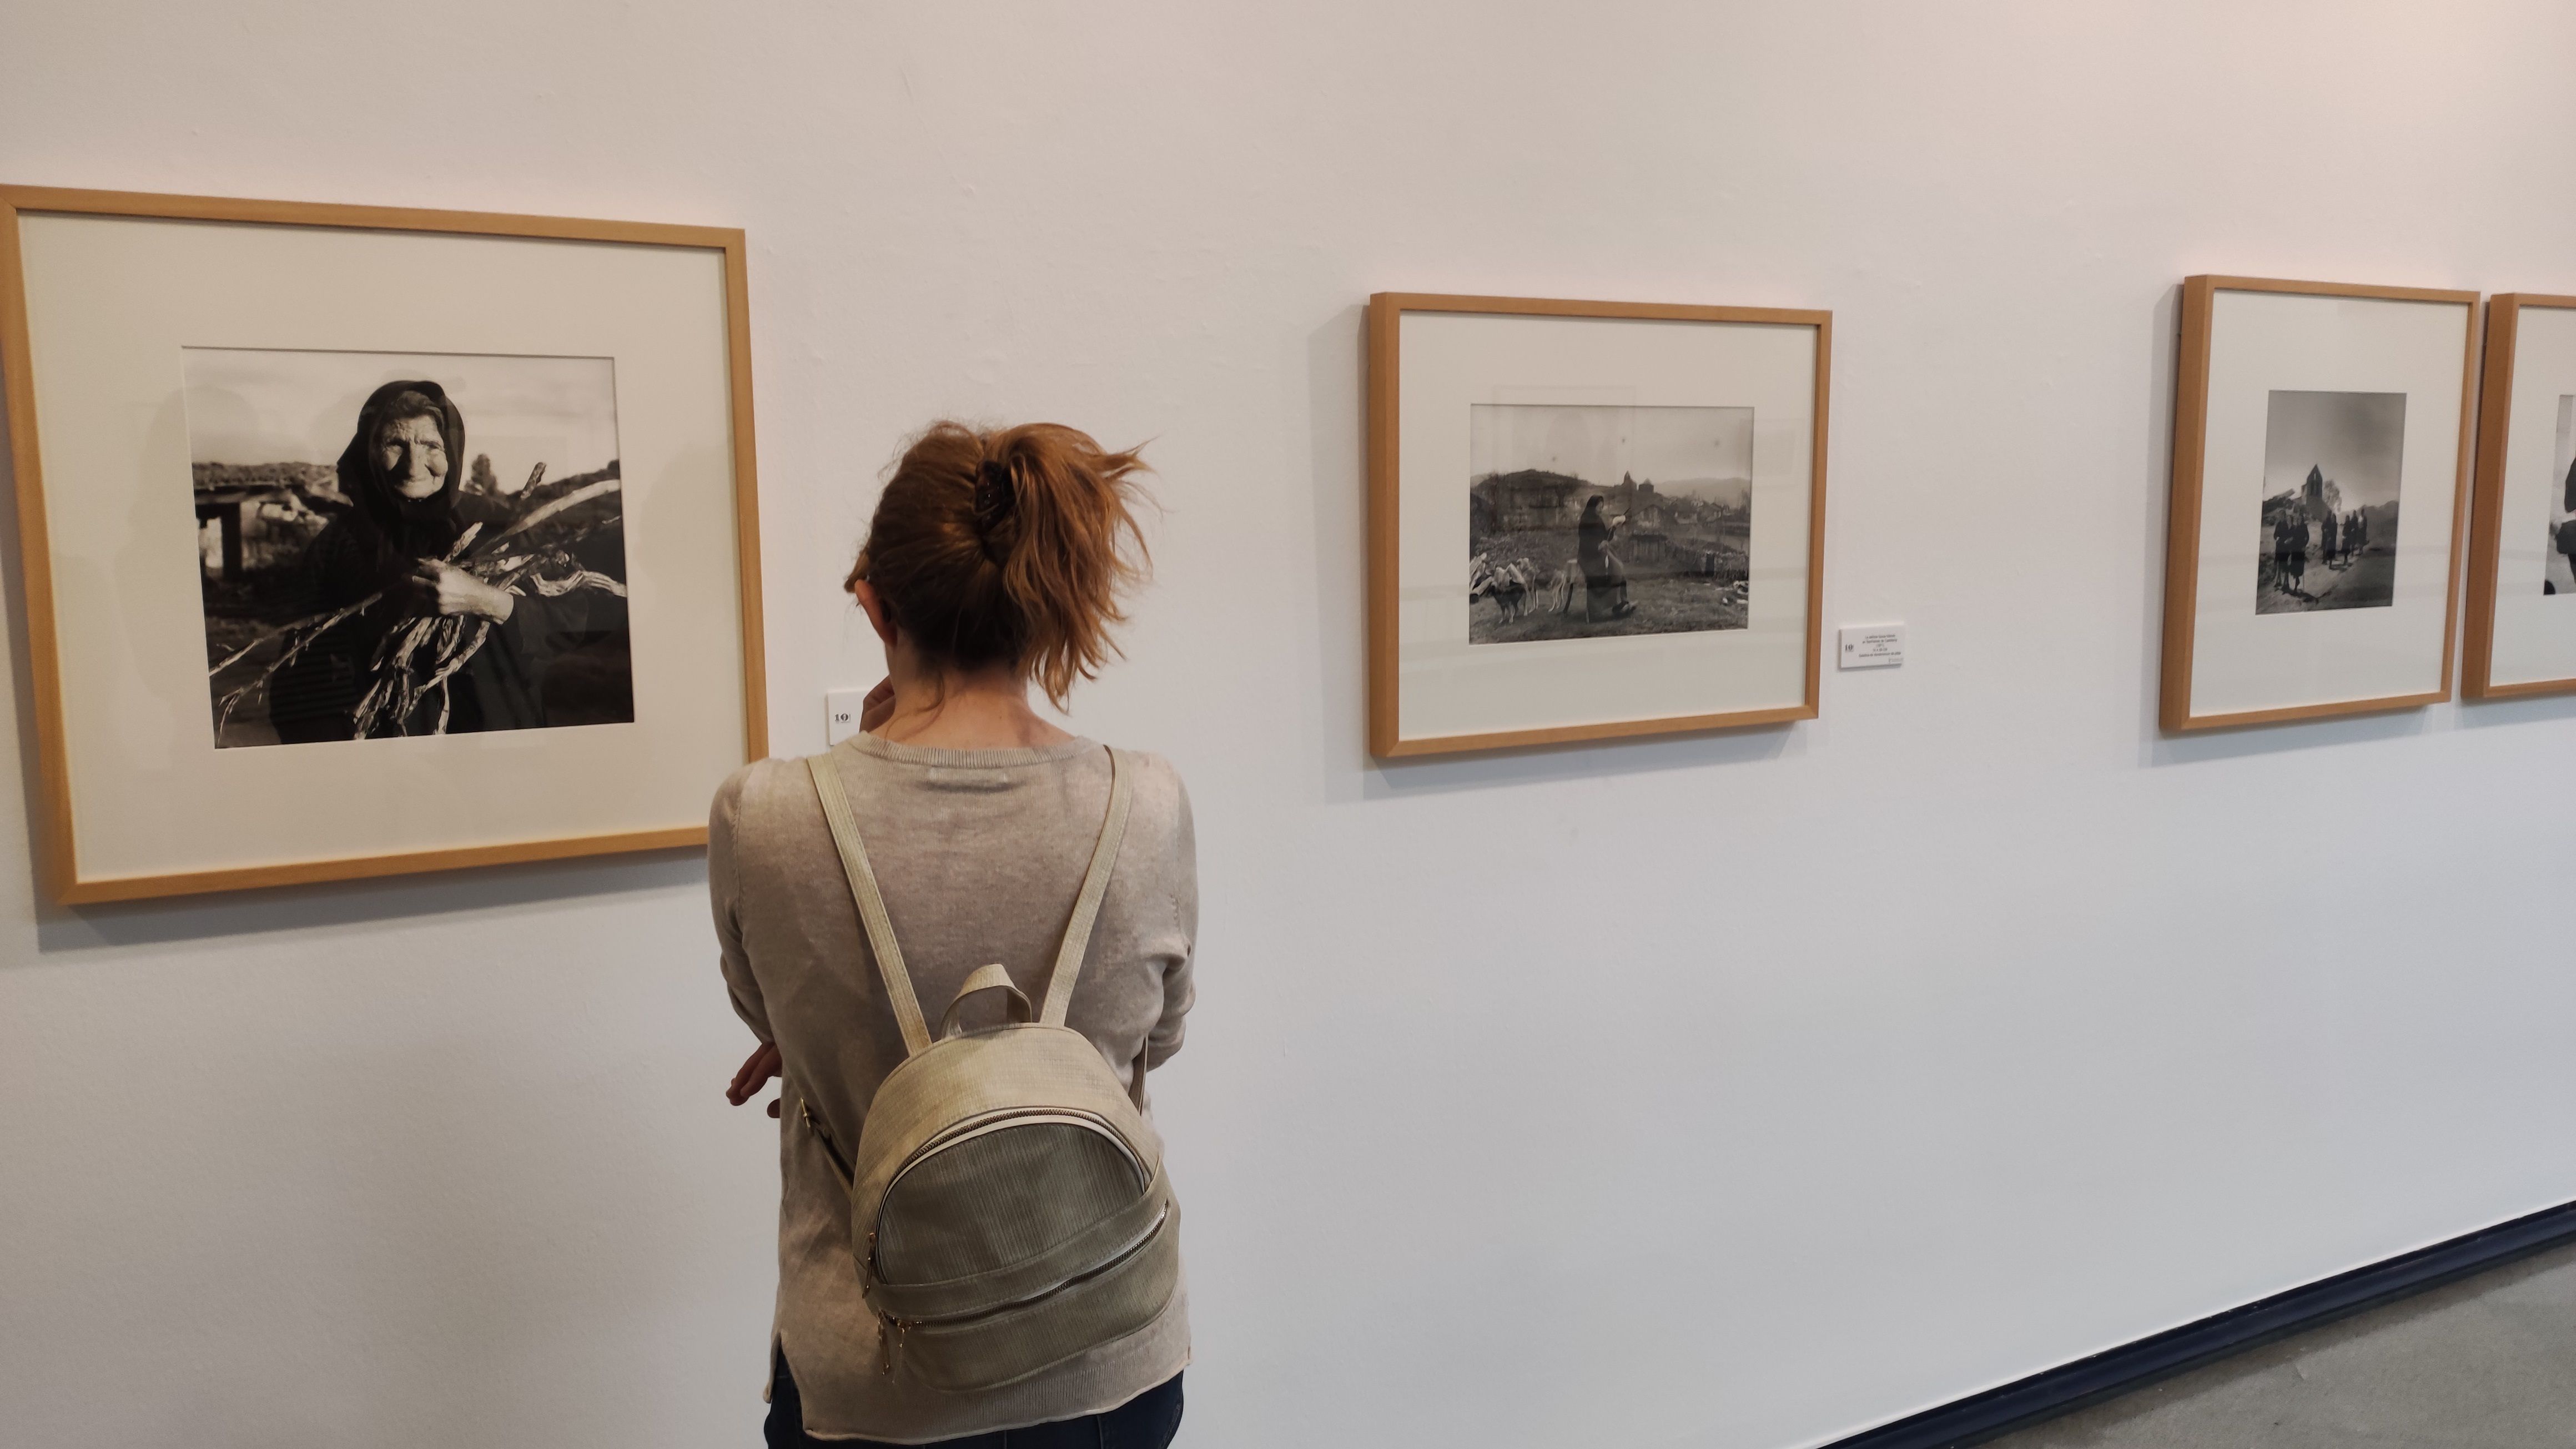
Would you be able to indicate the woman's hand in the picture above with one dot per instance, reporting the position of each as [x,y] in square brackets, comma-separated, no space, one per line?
[878,707]
[756,1071]
[457,591]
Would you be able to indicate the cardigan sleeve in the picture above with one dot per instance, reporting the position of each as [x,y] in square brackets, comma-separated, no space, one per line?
[1179,988]
[724,880]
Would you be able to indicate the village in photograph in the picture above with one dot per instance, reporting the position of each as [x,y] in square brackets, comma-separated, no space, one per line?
[1587,520]
[2328,535]
[394,545]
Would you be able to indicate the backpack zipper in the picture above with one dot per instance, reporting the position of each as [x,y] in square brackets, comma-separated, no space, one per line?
[831,1149]
[891,1330]
[960,1132]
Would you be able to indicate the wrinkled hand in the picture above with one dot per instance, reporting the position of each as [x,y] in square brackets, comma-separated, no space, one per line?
[756,1071]
[878,707]
[457,591]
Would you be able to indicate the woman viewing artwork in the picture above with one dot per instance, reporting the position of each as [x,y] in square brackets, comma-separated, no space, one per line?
[995,560]
[399,590]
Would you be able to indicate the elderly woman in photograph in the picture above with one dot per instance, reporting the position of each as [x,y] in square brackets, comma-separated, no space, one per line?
[429,645]
[1605,582]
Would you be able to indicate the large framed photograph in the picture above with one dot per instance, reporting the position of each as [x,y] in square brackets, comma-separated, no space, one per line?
[2320,462]
[2521,634]
[1590,520]
[358,541]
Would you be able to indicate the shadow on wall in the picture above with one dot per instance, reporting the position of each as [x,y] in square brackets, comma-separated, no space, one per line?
[371,901]
[2543,709]
[1336,403]
[22,686]
[2155,436]
[2245,741]
[1592,760]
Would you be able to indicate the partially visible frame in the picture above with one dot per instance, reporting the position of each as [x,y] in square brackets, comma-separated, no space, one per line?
[1795,368]
[2435,372]
[63,809]
[2524,513]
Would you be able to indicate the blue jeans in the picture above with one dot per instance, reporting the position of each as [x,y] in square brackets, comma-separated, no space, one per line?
[1147,1421]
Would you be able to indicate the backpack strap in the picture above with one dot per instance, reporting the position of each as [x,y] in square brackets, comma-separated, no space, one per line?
[1095,884]
[872,911]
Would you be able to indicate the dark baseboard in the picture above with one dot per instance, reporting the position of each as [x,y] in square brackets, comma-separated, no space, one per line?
[2045,1395]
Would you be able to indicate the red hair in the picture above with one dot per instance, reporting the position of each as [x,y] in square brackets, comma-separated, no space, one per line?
[1008,546]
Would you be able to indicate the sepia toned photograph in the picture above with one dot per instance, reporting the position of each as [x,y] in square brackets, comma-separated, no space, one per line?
[394,545]
[2558,551]
[2328,540]
[1588,521]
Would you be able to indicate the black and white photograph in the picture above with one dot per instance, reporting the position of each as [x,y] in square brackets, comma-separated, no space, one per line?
[2328,539]
[1596,520]
[394,544]
[2558,554]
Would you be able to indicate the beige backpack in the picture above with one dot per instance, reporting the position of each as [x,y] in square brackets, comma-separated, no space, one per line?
[1007,1201]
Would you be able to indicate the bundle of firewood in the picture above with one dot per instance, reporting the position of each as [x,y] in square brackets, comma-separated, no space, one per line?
[418,657]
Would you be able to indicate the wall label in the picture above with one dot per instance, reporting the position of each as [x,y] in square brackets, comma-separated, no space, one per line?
[1872,646]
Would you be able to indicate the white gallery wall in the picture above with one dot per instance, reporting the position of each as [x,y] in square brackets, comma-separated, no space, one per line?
[1739,1090]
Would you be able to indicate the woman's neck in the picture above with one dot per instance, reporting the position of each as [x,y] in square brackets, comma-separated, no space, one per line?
[954,710]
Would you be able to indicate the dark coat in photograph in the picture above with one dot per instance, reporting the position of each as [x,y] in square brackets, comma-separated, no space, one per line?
[569,651]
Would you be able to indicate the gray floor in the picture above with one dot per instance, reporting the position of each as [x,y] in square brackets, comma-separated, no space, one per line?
[2487,1363]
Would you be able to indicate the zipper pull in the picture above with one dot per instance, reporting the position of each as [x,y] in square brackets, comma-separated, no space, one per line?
[890,1332]
[831,1148]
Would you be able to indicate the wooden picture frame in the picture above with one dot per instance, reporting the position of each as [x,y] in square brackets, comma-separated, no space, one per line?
[53,488]
[1803,338]
[2516,647]
[2431,585]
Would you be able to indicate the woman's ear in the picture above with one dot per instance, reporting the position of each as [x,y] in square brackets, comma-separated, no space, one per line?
[878,618]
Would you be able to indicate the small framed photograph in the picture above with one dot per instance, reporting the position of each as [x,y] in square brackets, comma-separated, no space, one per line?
[1590,520]
[360,541]
[2320,469]
[2522,527]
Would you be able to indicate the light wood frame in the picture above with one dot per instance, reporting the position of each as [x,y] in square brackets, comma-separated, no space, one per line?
[2182,535]
[2486,509]
[1385,330]
[58,861]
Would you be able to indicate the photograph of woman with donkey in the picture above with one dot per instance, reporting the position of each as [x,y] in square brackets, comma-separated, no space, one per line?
[1556,550]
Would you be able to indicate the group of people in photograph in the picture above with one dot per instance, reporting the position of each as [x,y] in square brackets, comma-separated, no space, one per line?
[2333,539]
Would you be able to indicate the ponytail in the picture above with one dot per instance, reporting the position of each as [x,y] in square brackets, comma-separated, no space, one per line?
[1008,547]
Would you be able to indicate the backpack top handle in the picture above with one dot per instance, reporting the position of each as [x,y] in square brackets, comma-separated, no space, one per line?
[987,978]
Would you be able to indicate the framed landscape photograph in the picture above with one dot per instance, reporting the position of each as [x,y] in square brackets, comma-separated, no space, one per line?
[2320,463]
[358,541]
[2522,527]
[1590,520]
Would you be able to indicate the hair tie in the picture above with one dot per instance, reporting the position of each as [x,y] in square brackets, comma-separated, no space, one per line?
[994,498]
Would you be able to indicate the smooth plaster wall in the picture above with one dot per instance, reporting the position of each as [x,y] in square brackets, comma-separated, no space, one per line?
[1731,1091]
